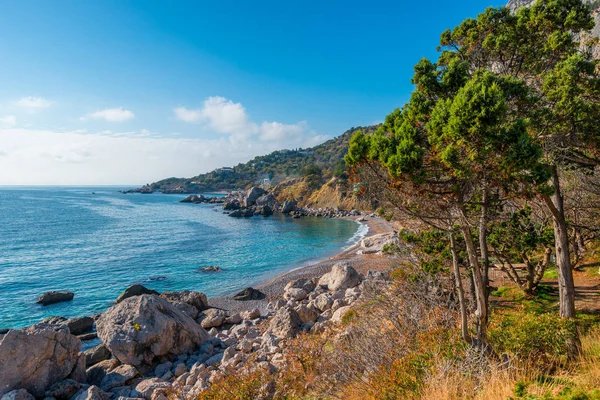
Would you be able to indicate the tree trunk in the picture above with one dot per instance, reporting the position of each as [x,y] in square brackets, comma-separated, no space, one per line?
[464,322]
[566,286]
[480,290]
[483,247]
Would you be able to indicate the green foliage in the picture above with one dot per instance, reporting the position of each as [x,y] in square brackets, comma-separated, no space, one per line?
[534,337]
[433,248]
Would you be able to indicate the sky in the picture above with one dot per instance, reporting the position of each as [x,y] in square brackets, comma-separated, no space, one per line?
[129,92]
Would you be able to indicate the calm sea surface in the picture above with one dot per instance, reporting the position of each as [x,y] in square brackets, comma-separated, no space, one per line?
[96,245]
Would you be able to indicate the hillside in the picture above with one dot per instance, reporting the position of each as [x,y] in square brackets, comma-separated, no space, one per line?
[324,161]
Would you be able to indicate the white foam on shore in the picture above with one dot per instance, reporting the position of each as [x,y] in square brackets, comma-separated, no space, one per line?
[360,234]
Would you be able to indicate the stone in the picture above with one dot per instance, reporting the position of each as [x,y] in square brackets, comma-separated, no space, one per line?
[19,394]
[195,299]
[214,360]
[80,325]
[288,206]
[323,302]
[97,372]
[252,195]
[63,390]
[53,297]
[233,319]
[286,323]
[296,294]
[211,268]
[211,318]
[187,309]
[266,200]
[149,388]
[142,328]
[251,314]
[308,285]
[135,290]
[337,316]
[249,294]
[163,368]
[341,277]
[37,356]
[92,393]
[180,369]
[307,314]
[376,243]
[119,377]
[95,355]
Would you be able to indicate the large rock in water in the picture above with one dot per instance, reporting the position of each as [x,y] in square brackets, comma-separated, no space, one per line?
[135,290]
[55,297]
[35,357]
[289,206]
[141,328]
[252,195]
[341,277]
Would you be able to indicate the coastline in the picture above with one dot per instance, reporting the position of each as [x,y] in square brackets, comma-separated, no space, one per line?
[273,287]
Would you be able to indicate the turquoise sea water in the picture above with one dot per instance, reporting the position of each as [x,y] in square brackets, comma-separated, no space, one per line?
[96,245]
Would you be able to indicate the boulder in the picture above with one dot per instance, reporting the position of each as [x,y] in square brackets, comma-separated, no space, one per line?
[212,318]
[80,325]
[192,198]
[249,294]
[97,372]
[119,377]
[337,316]
[95,355]
[135,290]
[141,328]
[341,277]
[375,243]
[252,195]
[286,323]
[195,299]
[323,302]
[298,289]
[266,200]
[63,390]
[148,388]
[187,309]
[251,314]
[19,394]
[53,297]
[211,268]
[288,206]
[232,204]
[92,393]
[307,313]
[37,356]
[264,211]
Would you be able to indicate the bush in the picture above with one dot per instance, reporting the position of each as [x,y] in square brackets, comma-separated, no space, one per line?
[539,338]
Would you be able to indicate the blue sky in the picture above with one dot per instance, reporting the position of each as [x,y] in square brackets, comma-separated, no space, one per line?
[125,92]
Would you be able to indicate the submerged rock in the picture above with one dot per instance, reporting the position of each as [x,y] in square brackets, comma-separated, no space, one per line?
[35,357]
[212,268]
[53,297]
[142,328]
[249,294]
[135,290]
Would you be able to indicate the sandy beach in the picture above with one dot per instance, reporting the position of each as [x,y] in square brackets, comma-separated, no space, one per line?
[273,288]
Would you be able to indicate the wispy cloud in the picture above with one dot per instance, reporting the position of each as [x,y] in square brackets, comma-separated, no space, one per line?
[32,103]
[118,114]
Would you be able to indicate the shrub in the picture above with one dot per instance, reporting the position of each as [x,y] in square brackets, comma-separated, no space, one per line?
[540,338]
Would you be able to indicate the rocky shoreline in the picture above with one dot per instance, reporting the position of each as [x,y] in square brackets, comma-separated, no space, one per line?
[156,342]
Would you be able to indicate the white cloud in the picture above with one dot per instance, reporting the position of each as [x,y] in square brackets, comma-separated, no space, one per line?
[226,117]
[8,121]
[32,103]
[110,114]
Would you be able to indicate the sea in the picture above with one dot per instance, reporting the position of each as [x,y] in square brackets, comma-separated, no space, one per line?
[96,241]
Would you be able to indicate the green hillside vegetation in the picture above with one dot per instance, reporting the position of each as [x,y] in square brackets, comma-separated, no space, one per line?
[316,164]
